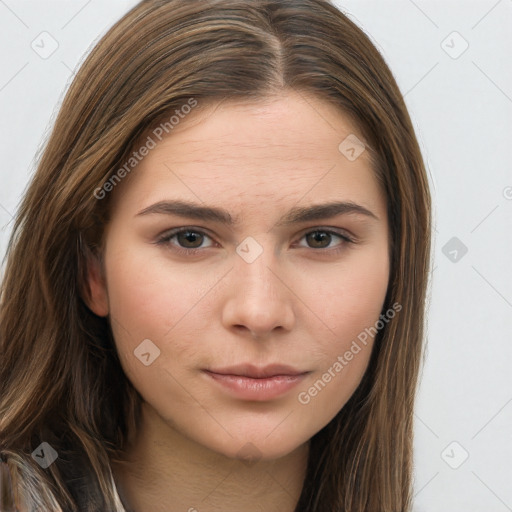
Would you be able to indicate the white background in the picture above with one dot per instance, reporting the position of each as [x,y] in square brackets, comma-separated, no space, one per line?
[462,110]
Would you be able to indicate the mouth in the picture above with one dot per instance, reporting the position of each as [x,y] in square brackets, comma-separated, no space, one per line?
[255,372]
[259,384]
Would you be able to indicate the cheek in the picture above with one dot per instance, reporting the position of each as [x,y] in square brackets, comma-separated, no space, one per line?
[149,300]
[349,297]
[348,304]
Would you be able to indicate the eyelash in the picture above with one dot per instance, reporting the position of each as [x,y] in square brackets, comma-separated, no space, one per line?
[166,238]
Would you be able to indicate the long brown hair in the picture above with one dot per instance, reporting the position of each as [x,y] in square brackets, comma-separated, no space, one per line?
[61,381]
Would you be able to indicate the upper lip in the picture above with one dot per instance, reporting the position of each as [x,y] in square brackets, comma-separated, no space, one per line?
[257,372]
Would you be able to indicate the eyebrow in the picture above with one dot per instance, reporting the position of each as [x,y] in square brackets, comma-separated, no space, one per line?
[296,215]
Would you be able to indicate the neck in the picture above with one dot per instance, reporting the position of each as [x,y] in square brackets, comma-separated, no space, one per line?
[165,469]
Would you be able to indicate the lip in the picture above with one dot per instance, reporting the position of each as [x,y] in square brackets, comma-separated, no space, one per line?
[257,383]
[258,372]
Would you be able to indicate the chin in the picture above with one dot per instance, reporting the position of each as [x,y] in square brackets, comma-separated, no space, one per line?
[251,449]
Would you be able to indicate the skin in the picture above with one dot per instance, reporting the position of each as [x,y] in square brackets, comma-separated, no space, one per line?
[302,302]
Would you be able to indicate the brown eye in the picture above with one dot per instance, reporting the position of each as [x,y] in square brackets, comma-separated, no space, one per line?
[323,238]
[185,240]
[319,239]
[190,239]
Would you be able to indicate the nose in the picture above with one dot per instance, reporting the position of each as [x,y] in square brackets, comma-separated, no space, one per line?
[259,301]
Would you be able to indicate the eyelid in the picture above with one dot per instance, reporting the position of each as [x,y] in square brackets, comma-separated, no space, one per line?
[343,233]
[168,234]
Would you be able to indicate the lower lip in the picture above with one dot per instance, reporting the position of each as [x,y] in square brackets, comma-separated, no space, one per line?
[257,389]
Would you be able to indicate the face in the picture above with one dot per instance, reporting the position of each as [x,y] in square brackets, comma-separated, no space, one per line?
[238,301]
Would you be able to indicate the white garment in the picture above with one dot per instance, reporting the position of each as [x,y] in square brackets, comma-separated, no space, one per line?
[118,501]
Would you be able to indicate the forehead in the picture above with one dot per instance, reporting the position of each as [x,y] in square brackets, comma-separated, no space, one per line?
[277,149]
[286,127]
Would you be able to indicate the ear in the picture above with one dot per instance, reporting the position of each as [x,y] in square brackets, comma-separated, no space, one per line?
[96,296]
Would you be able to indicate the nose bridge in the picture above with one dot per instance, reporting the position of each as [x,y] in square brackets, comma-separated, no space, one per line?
[259,301]
[255,269]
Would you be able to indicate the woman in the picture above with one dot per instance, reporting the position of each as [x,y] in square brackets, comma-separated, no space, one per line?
[258,368]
